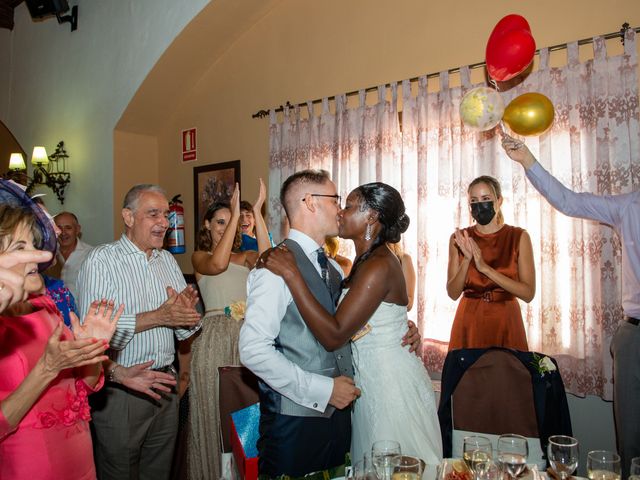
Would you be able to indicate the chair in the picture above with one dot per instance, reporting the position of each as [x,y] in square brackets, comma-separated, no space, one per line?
[495,391]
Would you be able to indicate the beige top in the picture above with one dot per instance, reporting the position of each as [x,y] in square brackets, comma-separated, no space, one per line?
[219,291]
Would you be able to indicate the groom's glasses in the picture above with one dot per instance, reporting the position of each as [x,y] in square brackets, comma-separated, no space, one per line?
[336,197]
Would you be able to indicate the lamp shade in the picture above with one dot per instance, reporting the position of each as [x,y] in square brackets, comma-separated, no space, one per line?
[39,156]
[16,162]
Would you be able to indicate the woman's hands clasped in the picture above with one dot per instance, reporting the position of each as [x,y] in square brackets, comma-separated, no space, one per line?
[470,249]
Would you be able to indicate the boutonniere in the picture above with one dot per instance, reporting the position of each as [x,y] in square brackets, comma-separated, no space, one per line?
[543,364]
[236,310]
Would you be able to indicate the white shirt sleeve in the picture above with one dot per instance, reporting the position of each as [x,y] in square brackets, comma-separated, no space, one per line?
[267,301]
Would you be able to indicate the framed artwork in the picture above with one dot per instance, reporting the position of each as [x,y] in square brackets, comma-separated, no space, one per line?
[213,183]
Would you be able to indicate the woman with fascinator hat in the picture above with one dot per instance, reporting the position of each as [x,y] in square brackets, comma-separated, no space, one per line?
[491,266]
[47,371]
[397,400]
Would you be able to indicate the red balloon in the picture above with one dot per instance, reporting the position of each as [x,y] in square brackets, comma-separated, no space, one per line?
[509,23]
[509,54]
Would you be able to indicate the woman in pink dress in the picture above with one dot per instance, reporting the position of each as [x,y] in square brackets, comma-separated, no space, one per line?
[47,371]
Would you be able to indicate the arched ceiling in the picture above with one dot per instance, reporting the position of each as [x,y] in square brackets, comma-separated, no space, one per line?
[200,45]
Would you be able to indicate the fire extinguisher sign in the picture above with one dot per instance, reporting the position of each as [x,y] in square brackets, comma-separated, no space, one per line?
[189,145]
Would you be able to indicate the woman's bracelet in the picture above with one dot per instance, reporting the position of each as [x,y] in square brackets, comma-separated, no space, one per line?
[112,374]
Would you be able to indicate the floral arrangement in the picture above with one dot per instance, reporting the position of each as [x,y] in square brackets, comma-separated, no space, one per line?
[236,310]
[543,364]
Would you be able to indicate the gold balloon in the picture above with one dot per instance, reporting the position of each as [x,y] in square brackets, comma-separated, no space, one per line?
[529,114]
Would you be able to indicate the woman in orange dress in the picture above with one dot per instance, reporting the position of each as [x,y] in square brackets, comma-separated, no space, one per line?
[491,266]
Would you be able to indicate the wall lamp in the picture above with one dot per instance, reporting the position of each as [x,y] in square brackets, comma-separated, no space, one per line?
[48,170]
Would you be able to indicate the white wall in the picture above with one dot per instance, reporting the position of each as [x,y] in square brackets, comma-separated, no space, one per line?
[75,86]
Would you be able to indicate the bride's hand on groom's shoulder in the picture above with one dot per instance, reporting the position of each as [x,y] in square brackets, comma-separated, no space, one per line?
[280,261]
[412,338]
[344,392]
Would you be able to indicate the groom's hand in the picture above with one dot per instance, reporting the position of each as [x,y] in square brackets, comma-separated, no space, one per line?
[344,392]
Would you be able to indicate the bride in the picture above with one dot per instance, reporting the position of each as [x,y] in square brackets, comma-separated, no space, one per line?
[397,400]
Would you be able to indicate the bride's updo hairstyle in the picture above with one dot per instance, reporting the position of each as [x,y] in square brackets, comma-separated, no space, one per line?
[387,202]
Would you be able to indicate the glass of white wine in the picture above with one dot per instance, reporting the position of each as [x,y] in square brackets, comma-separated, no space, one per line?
[383,453]
[475,443]
[513,451]
[603,465]
[563,454]
[406,467]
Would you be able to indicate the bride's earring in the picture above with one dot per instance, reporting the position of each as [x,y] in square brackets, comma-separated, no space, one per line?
[367,232]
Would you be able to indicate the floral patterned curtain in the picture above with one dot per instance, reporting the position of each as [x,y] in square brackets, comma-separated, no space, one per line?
[431,157]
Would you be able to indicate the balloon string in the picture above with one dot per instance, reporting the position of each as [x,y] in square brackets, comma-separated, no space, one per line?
[495,84]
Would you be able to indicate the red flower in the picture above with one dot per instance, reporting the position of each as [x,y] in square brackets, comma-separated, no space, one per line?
[47,419]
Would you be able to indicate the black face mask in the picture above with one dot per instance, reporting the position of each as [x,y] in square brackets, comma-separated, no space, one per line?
[483,212]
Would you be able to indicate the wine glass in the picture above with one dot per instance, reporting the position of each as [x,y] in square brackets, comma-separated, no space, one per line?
[383,453]
[563,454]
[481,445]
[635,466]
[513,451]
[603,465]
[406,468]
[363,469]
[481,461]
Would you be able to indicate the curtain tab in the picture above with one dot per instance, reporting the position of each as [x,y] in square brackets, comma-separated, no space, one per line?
[573,57]
[444,80]
[465,77]
[340,103]
[406,89]
[544,59]
[382,93]
[362,97]
[325,105]
[394,95]
[273,116]
[422,85]
[310,109]
[599,49]
[630,42]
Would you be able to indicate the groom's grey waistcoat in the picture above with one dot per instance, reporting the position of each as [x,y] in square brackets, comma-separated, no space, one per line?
[296,342]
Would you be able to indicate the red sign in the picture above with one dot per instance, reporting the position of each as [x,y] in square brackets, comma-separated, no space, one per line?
[189,145]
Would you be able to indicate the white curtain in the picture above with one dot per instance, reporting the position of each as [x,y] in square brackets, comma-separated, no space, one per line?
[431,158]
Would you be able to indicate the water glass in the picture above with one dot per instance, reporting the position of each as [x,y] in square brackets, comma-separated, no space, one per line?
[477,453]
[383,454]
[563,455]
[513,451]
[406,468]
[603,465]
[635,466]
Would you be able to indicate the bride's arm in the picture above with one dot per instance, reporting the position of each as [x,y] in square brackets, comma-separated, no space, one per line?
[362,300]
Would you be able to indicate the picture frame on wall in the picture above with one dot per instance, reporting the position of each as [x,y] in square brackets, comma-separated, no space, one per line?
[213,183]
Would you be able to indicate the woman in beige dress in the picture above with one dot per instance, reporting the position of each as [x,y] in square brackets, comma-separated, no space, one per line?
[221,271]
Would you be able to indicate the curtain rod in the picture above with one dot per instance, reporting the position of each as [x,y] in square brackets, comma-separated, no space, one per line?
[553,48]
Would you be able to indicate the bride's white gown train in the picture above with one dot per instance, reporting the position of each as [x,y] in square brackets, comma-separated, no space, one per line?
[397,401]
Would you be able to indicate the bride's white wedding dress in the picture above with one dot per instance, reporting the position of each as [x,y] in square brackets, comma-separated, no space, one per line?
[397,401]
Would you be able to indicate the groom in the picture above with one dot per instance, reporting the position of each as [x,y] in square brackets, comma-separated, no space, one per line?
[305,425]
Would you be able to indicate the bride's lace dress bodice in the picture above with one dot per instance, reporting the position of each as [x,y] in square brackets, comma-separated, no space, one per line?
[397,401]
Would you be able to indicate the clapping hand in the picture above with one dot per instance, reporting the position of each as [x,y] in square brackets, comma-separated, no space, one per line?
[262,195]
[234,204]
[100,321]
[141,379]
[12,283]
[62,354]
[463,241]
[179,309]
[481,266]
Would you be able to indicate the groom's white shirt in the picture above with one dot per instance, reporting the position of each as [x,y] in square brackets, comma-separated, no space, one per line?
[267,300]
